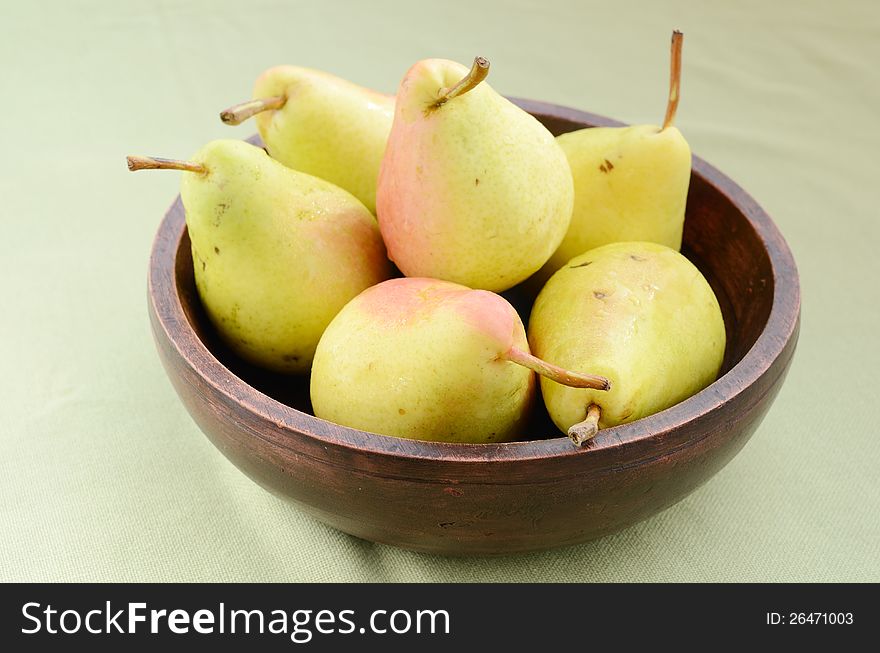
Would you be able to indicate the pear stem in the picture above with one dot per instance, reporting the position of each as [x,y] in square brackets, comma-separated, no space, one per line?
[155,163]
[237,114]
[583,432]
[674,79]
[556,373]
[478,72]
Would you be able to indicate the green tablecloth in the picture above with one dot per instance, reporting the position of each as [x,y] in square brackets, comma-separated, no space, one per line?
[103,475]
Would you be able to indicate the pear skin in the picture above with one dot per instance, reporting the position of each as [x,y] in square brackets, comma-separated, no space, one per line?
[325,126]
[472,189]
[429,360]
[419,358]
[638,313]
[277,253]
[630,183]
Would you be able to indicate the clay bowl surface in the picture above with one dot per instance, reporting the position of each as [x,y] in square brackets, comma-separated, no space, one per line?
[499,498]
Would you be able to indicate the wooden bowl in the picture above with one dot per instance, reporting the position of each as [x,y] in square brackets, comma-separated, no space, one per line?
[497,498]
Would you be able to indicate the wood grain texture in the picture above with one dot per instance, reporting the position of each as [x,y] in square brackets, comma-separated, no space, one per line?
[498,498]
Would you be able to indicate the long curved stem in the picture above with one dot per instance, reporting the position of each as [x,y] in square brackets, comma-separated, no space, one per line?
[674,79]
[556,373]
[136,163]
[237,114]
[478,72]
[584,431]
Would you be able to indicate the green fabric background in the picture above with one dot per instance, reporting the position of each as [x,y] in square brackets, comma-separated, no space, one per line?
[103,475]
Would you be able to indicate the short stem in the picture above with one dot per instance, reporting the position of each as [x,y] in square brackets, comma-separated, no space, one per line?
[556,373]
[477,74]
[674,79]
[582,432]
[155,163]
[235,115]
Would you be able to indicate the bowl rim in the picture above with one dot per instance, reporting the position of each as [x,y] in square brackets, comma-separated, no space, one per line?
[780,327]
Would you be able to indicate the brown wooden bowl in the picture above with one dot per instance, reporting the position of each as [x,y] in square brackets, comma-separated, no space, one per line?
[497,498]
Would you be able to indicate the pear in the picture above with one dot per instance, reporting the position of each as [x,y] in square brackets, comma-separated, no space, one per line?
[472,188]
[277,253]
[630,183]
[638,313]
[320,124]
[430,360]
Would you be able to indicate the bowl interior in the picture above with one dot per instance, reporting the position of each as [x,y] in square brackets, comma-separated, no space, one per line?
[718,239]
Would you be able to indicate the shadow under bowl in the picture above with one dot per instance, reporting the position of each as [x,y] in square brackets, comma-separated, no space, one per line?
[497,498]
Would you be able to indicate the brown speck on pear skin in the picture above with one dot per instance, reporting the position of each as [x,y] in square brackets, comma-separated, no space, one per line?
[219,210]
[580,265]
[598,294]
[607,166]
[198,259]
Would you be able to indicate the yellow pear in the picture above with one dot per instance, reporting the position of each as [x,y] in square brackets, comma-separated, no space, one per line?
[637,313]
[276,252]
[430,360]
[630,183]
[472,188]
[320,124]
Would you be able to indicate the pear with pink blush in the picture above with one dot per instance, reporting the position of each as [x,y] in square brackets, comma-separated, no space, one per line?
[276,252]
[430,360]
[472,189]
